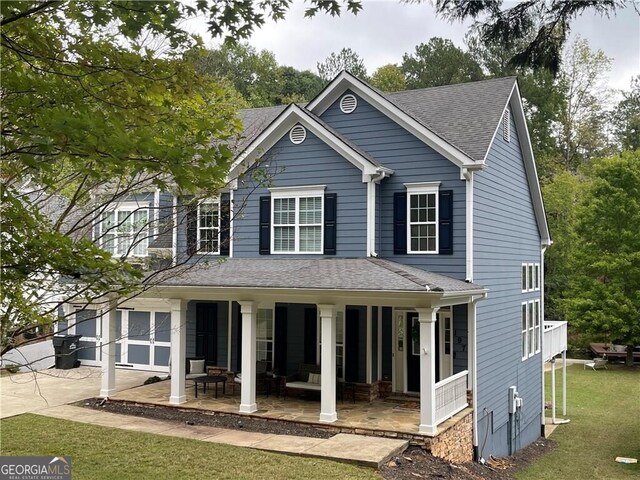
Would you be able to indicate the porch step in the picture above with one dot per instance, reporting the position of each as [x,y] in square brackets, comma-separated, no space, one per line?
[402,398]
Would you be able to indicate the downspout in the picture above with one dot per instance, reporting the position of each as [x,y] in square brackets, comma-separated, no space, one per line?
[543,360]
[381,173]
[467,175]
[474,370]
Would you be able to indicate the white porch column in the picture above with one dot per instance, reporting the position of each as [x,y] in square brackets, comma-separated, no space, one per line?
[553,390]
[328,364]
[108,350]
[178,351]
[427,319]
[564,383]
[248,363]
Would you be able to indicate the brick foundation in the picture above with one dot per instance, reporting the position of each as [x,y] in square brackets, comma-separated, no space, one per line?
[455,444]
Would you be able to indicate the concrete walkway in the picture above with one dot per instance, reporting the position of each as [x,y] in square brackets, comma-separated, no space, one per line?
[358,449]
[30,392]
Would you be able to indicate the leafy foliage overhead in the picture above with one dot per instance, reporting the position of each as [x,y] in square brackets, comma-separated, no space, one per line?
[545,24]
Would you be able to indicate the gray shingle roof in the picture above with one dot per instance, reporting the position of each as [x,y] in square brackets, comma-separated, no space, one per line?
[350,274]
[466,115]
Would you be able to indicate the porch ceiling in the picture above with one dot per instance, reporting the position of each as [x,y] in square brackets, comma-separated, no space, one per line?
[336,274]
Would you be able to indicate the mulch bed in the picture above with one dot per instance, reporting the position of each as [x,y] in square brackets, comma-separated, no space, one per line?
[413,463]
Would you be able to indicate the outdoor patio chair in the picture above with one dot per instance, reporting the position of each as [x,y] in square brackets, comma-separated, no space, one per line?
[261,377]
[597,363]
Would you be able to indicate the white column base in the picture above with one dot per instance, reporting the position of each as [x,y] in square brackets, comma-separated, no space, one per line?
[107,393]
[250,408]
[427,429]
[177,400]
[328,417]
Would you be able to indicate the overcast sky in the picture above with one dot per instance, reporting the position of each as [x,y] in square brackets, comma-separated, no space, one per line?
[385,29]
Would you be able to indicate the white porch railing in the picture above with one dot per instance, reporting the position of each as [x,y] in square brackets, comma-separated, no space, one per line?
[451,396]
[555,339]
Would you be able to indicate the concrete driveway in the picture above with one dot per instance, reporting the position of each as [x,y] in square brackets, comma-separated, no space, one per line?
[30,392]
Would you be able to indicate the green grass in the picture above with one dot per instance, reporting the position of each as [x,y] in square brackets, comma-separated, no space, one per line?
[604,408]
[106,453]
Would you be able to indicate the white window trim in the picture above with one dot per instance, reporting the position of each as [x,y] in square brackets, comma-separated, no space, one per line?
[531,328]
[537,327]
[524,275]
[524,334]
[207,202]
[422,188]
[297,193]
[267,340]
[537,276]
[125,207]
[532,281]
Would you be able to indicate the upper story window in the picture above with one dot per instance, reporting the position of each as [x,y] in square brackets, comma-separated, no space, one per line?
[422,213]
[530,277]
[125,231]
[209,227]
[297,220]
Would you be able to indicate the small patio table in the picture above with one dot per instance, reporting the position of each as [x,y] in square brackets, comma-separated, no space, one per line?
[215,379]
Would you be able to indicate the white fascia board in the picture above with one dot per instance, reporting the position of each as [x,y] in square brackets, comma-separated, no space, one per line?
[346,81]
[517,111]
[279,127]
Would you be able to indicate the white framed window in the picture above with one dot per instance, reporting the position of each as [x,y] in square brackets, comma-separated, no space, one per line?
[339,343]
[297,220]
[506,125]
[530,326]
[530,276]
[208,229]
[264,335]
[524,331]
[525,278]
[125,230]
[537,278]
[537,326]
[422,217]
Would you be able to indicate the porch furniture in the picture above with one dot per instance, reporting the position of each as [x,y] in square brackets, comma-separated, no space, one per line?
[597,363]
[195,367]
[215,379]
[613,351]
[307,378]
[275,383]
[261,377]
[347,388]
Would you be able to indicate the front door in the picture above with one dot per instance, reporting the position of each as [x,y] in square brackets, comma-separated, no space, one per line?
[206,332]
[412,334]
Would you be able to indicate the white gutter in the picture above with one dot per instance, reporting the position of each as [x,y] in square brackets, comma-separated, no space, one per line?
[372,181]
[542,359]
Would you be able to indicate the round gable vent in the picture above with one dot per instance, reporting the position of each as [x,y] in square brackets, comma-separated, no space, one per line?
[348,103]
[297,134]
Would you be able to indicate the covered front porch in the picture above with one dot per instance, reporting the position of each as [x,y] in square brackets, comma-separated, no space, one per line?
[385,328]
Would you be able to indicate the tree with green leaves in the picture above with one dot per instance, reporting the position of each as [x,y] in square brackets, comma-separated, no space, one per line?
[92,114]
[583,115]
[345,59]
[388,78]
[439,62]
[604,297]
[543,25]
[298,86]
[625,118]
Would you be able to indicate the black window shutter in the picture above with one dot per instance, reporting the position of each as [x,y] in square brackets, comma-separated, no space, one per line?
[192,229]
[265,225]
[400,223]
[330,215]
[225,223]
[446,222]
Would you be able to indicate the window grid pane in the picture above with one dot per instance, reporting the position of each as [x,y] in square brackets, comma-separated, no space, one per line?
[297,225]
[208,227]
[422,220]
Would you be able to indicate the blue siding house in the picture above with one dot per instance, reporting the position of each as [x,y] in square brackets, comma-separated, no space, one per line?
[395,241]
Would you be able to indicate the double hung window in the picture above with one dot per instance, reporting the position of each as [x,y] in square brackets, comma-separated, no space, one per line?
[297,220]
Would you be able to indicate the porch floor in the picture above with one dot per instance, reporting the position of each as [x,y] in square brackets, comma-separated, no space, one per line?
[384,418]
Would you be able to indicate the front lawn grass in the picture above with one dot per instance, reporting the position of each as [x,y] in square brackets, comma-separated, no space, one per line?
[106,453]
[604,408]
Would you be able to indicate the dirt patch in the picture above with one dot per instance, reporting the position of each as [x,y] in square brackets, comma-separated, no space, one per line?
[416,463]
[413,463]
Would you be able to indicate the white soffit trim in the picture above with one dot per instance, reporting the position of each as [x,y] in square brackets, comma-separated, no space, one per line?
[346,81]
[514,103]
[281,126]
